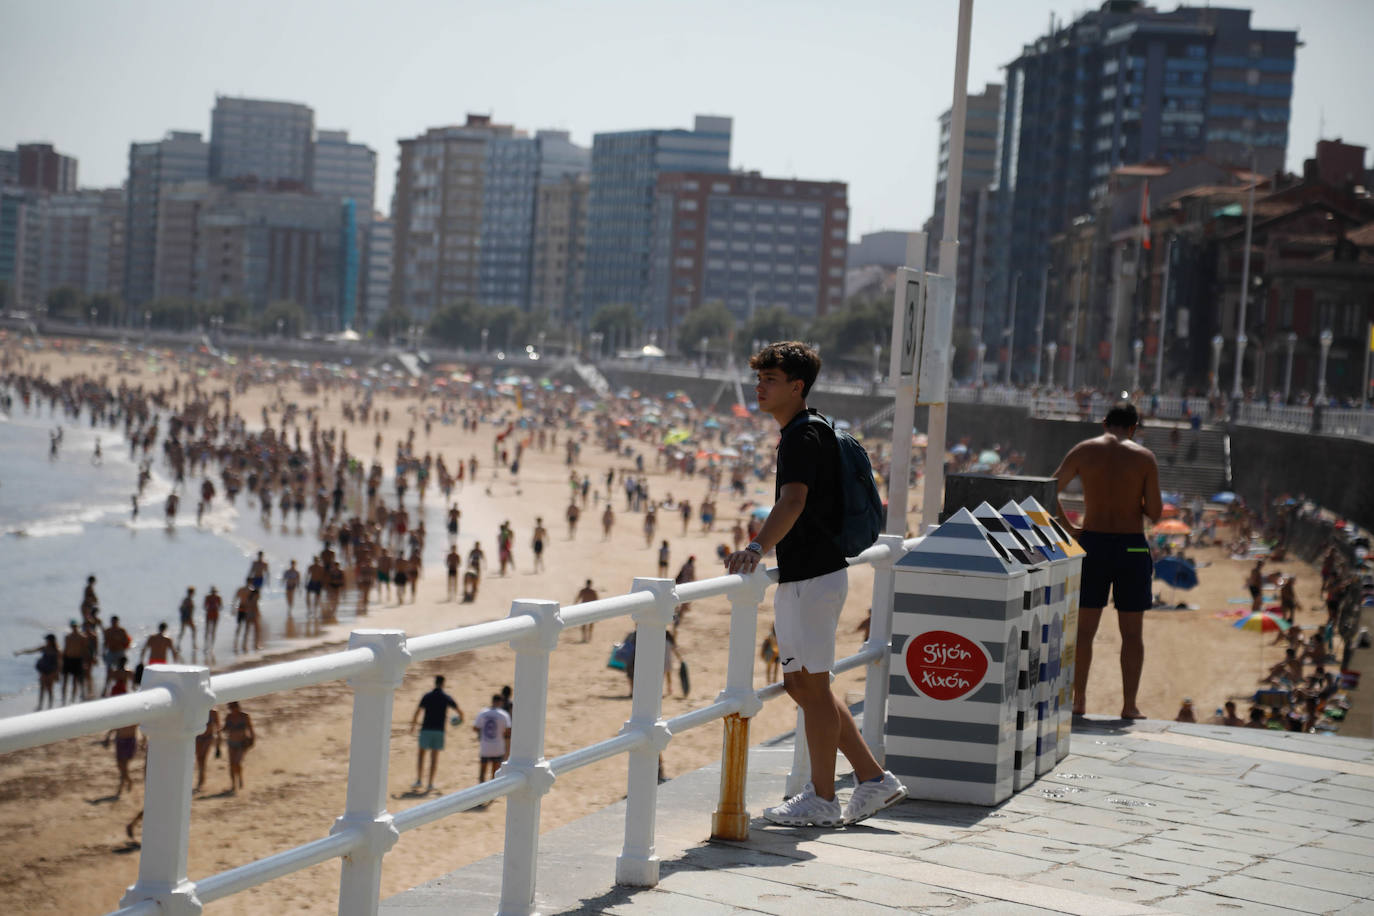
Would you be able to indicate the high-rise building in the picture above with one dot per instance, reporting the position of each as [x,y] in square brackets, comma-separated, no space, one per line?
[376,271]
[1123,84]
[181,156]
[437,215]
[272,142]
[979,168]
[216,242]
[560,248]
[345,170]
[624,177]
[20,233]
[516,168]
[42,168]
[9,167]
[748,242]
[348,172]
[82,242]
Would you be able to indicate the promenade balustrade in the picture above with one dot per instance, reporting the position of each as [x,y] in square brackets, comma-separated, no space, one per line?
[175,700]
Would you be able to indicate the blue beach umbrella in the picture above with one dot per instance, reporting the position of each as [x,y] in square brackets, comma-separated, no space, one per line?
[1225,496]
[1175,572]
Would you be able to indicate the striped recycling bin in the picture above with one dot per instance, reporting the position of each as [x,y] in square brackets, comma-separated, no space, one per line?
[1050,529]
[1029,691]
[1051,639]
[950,727]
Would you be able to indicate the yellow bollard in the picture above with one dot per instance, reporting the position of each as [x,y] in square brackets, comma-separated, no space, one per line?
[731,819]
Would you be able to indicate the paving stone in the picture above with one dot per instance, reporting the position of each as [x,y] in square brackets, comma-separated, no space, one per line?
[1294,771]
[988,861]
[1199,763]
[1177,797]
[1023,844]
[1257,827]
[664,903]
[1078,834]
[1104,884]
[1248,843]
[1345,794]
[1365,830]
[1106,814]
[1083,778]
[889,842]
[1340,882]
[1259,777]
[778,890]
[1123,862]
[1002,908]
[1212,787]
[1318,813]
[1158,847]
[1332,852]
[1350,779]
[1200,903]
[1277,893]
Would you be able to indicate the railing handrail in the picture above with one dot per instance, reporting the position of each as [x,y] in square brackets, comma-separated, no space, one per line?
[172,710]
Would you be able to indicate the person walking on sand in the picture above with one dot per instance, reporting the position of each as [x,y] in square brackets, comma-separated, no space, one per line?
[492,726]
[1120,485]
[126,745]
[573,514]
[213,603]
[291,579]
[537,541]
[453,561]
[607,521]
[586,594]
[664,557]
[204,741]
[117,643]
[435,706]
[239,736]
[158,647]
[812,585]
[1255,583]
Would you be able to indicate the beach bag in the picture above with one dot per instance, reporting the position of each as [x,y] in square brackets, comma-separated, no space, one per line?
[622,654]
[861,506]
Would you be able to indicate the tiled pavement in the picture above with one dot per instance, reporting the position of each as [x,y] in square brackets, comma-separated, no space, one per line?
[1145,817]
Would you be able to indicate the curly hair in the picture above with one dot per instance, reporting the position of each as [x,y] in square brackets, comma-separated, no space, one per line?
[797,361]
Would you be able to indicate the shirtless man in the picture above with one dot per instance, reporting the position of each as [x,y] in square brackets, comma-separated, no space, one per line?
[158,647]
[213,603]
[453,561]
[537,540]
[74,663]
[1255,582]
[1120,484]
[587,594]
[117,643]
[292,580]
[241,599]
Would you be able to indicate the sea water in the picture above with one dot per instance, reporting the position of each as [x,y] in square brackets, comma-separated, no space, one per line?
[67,518]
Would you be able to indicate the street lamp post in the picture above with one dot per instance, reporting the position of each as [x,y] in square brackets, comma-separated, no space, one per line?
[982,356]
[704,342]
[1010,332]
[1051,349]
[1163,318]
[485,332]
[1217,343]
[93,316]
[877,364]
[1325,340]
[1040,323]
[1244,283]
[1073,325]
[1137,348]
[1291,341]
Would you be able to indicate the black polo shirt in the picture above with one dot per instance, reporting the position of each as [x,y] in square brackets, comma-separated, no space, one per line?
[808,453]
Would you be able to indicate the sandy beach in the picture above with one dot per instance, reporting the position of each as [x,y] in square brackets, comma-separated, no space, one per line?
[62,837]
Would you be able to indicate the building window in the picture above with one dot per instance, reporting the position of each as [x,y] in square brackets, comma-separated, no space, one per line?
[687,203]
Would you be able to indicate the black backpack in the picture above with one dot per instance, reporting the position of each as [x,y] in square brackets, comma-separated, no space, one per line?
[861,506]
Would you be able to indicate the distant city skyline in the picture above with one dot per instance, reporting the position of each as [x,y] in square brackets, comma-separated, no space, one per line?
[815,91]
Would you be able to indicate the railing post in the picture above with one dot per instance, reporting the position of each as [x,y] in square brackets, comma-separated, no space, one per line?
[167,790]
[369,755]
[527,754]
[880,634]
[637,865]
[731,818]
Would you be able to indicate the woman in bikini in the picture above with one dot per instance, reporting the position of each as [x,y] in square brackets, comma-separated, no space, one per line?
[48,660]
[204,741]
[238,734]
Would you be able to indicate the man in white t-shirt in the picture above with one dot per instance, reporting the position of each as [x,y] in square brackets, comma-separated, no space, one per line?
[493,732]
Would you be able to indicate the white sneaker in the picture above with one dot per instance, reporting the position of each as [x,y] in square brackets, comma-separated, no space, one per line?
[806,808]
[871,797]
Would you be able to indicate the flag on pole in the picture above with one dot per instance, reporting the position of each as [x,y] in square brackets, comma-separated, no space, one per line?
[1371,337]
[1145,215]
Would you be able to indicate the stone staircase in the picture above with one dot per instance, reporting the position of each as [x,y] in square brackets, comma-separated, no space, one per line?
[1197,466]
[593,379]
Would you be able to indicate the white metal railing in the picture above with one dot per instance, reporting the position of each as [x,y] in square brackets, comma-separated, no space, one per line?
[175,701]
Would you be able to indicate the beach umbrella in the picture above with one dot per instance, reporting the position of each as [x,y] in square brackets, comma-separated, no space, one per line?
[1262,622]
[1172,526]
[1175,572]
[729,452]
[1225,496]
[761,512]
[988,456]
[674,436]
[1170,511]
[959,449]
[712,423]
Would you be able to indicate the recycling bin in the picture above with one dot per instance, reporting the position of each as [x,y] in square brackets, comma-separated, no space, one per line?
[950,726]
[1028,688]
[1073,572]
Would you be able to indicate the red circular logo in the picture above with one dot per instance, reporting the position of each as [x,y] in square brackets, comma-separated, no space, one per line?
[944,665]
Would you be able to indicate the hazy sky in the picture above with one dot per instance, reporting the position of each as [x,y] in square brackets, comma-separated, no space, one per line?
[819,89]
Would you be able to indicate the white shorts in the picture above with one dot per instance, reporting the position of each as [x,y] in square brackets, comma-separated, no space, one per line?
[806,615]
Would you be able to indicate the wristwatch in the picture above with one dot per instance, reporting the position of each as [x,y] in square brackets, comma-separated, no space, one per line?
[756,547]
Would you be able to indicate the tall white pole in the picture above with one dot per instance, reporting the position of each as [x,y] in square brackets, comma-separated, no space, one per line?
[1163,319]
[1040,323]
[933,494]
[1244,284]
[1010,332]
[1077,314]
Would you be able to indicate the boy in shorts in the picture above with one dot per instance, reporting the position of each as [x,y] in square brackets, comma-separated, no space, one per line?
[812,585]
